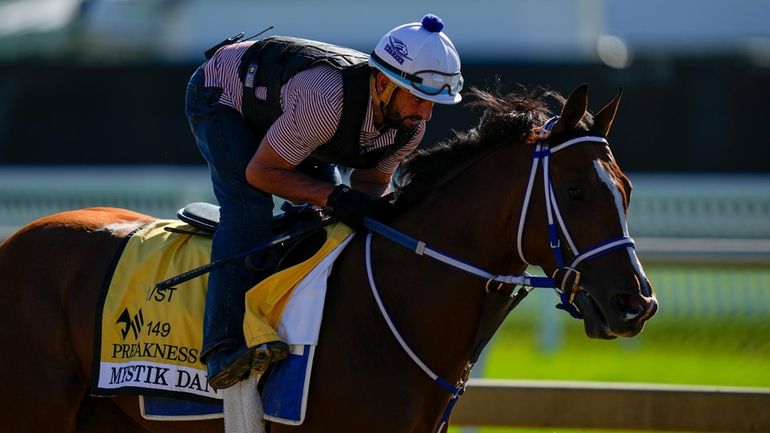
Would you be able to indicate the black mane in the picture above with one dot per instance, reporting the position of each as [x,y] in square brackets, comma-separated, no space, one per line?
[507,119]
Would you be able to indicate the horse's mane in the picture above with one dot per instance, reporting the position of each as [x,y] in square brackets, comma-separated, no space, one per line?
[507,119]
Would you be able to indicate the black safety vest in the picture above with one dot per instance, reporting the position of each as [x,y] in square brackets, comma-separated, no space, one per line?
[271,62]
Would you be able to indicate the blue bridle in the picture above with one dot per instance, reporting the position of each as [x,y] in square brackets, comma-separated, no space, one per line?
[566,278]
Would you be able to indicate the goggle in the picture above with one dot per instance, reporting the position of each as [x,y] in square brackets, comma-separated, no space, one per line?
[428,82]
[434,82]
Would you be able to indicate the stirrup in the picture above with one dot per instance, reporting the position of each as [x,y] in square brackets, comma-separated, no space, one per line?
[267,353]
[234,371]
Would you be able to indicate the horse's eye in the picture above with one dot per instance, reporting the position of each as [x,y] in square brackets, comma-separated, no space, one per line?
[575,193]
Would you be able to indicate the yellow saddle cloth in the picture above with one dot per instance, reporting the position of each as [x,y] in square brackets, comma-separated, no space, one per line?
[149,341]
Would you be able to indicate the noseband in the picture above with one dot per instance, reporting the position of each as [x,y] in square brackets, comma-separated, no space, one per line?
[566,278]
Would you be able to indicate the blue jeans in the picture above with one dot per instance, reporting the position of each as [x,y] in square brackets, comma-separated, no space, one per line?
[226,142]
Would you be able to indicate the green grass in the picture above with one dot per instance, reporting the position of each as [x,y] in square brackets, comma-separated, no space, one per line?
[537,430]
[732,355]
[712,329]
[709,354]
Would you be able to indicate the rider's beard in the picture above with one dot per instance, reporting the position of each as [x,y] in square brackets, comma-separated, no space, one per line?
[394,119]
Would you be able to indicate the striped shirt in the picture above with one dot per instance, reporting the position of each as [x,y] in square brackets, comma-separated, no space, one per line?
[312,107]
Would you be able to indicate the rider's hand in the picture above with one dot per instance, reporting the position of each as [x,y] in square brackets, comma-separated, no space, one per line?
[350,206]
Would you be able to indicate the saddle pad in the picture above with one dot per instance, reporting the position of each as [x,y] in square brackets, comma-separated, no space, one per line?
[284,396]
[171,409]
[149,341]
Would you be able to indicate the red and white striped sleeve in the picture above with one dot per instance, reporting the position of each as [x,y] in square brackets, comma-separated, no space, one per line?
[312,108]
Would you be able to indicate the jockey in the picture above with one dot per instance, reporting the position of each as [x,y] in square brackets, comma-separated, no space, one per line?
[271,122]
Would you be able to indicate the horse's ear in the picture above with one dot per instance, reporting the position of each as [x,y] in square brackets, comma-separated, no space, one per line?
[574,109]
[605,116]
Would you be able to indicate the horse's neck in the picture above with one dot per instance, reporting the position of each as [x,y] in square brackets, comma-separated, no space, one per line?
[436,306]
[474,217]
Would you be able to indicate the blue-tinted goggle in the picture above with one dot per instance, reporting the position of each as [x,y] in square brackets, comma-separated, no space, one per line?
[434,82]
[428,82]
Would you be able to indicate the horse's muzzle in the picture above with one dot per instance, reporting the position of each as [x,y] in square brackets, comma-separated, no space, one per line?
[622,315]
[632,308]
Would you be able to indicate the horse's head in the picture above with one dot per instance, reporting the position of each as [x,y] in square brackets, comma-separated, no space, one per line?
[591,254]
[570,185]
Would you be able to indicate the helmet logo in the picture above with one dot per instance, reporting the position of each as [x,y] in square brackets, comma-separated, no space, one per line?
[397,49]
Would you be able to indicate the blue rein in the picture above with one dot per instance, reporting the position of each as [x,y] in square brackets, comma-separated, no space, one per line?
[421,248]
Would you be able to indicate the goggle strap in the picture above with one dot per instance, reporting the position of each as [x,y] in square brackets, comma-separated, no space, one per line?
[393,69]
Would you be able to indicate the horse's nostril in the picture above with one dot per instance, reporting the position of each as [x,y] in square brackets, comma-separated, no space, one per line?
[627,306]
[649,307]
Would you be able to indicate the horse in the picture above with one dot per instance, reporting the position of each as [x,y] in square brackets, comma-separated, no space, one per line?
[487,197]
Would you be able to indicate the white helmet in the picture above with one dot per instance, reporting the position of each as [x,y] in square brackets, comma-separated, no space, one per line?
[419,58]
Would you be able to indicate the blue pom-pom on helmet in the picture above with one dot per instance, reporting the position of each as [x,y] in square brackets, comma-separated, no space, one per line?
[432,23]
[420,58]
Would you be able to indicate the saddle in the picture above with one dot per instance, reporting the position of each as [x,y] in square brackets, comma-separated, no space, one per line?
[303,224]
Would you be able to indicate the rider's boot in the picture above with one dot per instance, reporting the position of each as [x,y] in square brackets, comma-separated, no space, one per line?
[227,367]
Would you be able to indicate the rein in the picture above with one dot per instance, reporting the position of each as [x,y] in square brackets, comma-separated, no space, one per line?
[565,280]
[495,309]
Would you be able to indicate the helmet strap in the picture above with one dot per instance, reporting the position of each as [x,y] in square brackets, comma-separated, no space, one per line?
[381,98]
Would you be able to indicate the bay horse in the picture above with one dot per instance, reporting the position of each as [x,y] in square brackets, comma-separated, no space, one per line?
[485,197]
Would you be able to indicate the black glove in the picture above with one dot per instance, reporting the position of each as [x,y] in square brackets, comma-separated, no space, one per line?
[350,206]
